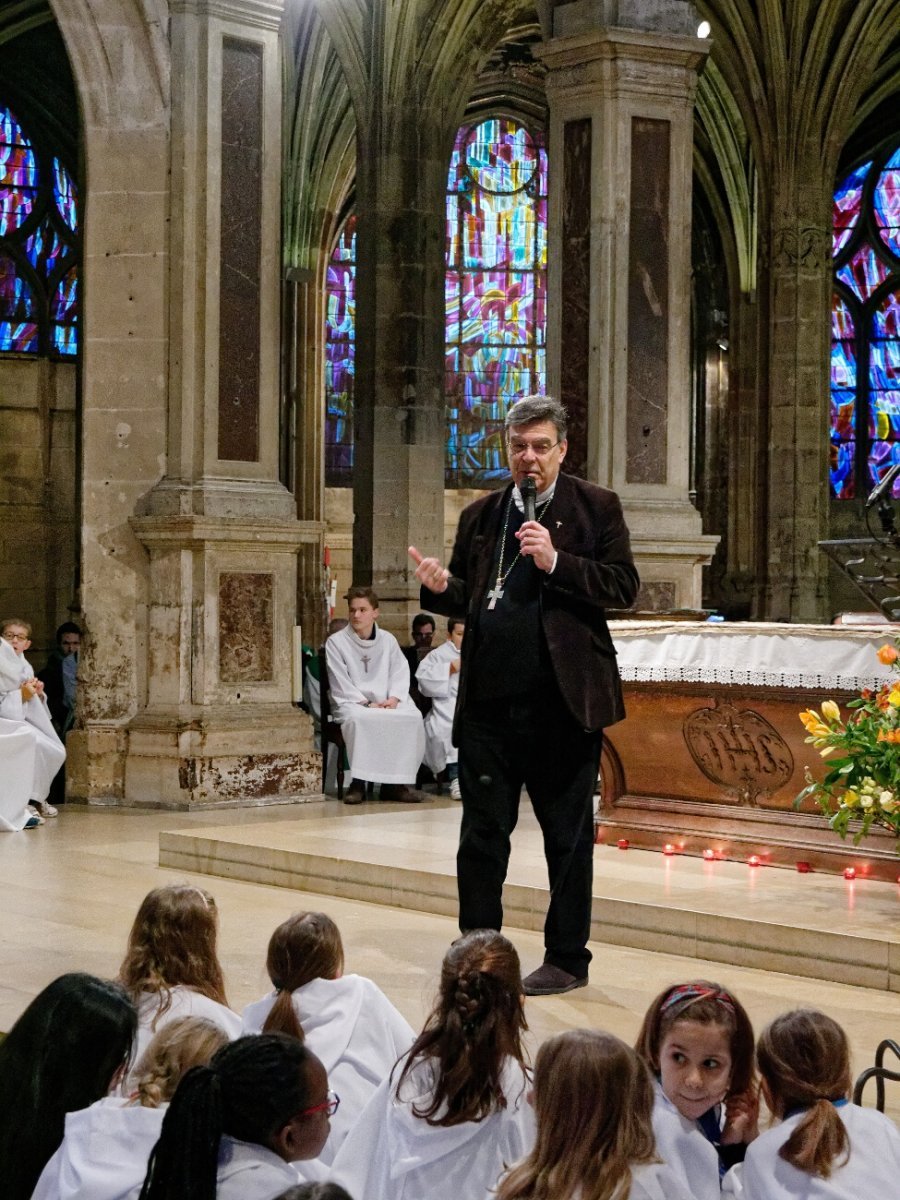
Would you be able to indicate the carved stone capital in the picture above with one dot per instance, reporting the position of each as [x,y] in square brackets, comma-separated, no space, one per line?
[804,246]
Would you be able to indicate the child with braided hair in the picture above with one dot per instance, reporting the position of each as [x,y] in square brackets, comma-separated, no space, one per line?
[104,1153]
[347,1022]
[698,1041]
[593,1098]
[455,1113]
[236,1128]
[824,1147]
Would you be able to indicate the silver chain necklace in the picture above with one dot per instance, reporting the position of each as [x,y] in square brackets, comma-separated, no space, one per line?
[496,592]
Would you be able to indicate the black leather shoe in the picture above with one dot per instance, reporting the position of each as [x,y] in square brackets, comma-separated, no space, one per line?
[548,980]
[400,793]
[355,793]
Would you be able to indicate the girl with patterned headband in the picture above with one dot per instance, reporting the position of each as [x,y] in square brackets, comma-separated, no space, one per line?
[698,1042]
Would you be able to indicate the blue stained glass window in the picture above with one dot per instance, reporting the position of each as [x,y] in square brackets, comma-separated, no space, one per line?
[865,328]
[38,248]
[495,303]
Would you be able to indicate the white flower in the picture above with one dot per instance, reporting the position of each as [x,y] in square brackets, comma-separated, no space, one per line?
[866,799]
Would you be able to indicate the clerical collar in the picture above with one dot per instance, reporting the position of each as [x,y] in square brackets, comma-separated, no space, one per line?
[541,498]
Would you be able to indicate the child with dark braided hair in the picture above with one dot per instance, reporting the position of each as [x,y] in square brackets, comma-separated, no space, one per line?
[235,1129]
[347,1022]
[455,1113]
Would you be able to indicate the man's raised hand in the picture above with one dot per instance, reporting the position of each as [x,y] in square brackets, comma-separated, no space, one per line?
[429,572]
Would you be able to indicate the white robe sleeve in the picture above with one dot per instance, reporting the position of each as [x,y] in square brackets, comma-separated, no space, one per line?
[433,675]
[343,689]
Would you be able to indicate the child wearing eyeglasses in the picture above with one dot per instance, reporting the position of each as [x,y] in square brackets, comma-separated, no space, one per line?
[30,750]
[240,1128]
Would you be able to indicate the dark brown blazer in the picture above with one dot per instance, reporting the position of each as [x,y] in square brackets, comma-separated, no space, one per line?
[594,571]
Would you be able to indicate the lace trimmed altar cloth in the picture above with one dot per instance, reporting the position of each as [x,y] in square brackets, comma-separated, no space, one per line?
[821,658]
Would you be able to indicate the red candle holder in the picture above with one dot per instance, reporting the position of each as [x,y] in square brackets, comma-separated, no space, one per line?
[849,872]
[804,868]
[754,860]
[709,855]
[623,843]
[668,849]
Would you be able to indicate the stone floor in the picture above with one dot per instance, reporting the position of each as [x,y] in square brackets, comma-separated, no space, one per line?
[69,891]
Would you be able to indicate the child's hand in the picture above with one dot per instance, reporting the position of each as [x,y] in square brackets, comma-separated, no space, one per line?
[741,1118]
[38,686]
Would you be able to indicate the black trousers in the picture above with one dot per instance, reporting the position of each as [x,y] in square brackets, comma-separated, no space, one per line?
[530,740]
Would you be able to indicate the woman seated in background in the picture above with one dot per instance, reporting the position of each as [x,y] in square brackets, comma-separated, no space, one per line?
[347,1022]
[68,1048]
[106,1147]
[171,968]
[455,1111]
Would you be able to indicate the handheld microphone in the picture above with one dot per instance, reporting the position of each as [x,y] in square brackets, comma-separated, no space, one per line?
[882,486]
[529,496]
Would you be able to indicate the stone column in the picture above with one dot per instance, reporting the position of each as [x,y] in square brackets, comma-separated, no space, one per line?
[620,84]
[217,726]
[398,478]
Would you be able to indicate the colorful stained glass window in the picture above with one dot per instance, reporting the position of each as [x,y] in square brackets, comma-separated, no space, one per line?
[38,248]
[496,291]
[340,319]
[865,328]
[495,297]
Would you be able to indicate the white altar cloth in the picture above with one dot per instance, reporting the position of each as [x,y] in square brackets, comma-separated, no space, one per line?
[822,658]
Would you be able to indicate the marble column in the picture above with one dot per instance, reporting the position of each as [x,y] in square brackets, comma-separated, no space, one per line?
[620,84]
[217,725]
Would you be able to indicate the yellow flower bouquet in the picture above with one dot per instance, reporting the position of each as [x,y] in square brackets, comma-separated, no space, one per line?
[863,781]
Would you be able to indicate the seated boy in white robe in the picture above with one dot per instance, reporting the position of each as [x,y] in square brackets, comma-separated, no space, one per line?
[24,705]
[438,678]
[369,681]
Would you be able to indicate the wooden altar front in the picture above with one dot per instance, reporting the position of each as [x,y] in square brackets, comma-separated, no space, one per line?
[712,754]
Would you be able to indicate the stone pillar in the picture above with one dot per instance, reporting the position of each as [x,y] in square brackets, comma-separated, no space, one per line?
[400,430]
[620,84]
[220,529]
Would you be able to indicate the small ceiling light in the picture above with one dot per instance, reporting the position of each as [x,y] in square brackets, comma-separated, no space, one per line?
[704,29]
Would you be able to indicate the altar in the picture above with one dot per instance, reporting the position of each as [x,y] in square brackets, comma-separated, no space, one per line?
[712,753]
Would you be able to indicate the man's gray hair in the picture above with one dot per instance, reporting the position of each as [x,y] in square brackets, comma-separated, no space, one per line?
[538,408]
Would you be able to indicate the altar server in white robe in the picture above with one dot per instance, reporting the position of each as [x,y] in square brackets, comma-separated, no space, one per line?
[369,681]
[106,1147]
[438,678]
[24,702]
[347,1022]
[244,1127]
[17,749]
[455,1112]
[824,1147]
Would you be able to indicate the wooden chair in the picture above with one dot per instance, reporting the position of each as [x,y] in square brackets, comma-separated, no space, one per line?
[330,730]
[879,1073]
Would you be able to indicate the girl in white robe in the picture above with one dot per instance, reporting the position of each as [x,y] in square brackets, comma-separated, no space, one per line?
[106,1147]
[455,1113]
[593,1099]
[235,1129]
[347,1022]
[171,968]
[824,1148]
[30,750]
[697,1040]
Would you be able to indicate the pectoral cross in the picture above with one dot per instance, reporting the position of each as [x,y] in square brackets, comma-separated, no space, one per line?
[495,594]
[366,660]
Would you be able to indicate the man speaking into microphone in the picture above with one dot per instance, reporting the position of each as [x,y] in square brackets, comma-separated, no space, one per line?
[539,680]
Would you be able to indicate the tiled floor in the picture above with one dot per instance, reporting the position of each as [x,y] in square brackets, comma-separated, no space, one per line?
[70,889]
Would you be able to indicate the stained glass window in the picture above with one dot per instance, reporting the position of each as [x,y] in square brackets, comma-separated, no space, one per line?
[38,248]
[340,319]
[496,291]
[495,297]
[865,328]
